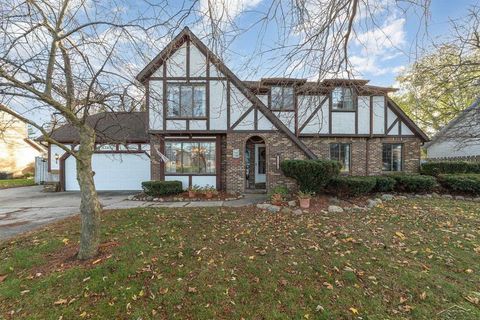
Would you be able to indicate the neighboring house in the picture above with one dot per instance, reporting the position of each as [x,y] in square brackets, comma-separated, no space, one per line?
[459,139]
[207,127]
[17,150]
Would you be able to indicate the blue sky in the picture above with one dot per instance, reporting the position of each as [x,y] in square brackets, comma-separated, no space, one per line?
[377,53]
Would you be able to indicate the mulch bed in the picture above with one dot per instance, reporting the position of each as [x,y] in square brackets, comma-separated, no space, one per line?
[220,196]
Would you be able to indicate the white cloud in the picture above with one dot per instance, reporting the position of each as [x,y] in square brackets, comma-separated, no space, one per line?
[226,11]
[378,46]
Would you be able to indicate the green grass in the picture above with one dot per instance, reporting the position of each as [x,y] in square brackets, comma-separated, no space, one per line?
[411,259]
[12,183]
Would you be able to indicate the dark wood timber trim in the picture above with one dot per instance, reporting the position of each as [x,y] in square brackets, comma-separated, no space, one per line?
[385,114]
[255,119]
[243,116]
[228,104]
[313,114]
[161,139]
[207,91]
[408,122]
[392,125]
[49,156]
[179,79]
[371,115]
[218,162]
[188,60]
[164,97]
[330,112]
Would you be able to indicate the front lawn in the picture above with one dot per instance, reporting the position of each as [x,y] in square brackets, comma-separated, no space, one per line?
[416,258]
[12,183]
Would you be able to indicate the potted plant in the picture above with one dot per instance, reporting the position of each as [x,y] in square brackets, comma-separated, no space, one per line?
[209,191]
[304,199]
[278,195]
[192,191]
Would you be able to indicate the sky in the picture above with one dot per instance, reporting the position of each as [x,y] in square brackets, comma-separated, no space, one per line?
[379,53]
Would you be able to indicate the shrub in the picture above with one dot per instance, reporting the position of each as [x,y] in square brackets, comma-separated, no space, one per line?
[414,182]
[279,191]
[311,175]
[449,167]
[161,188]
[469,183]
[385,184]
[5,175]
[351,186]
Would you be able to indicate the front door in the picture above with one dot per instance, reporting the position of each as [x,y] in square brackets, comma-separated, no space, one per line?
[260,164]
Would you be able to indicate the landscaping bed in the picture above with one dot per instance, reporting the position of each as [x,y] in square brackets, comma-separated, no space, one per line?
[184,196]
[414,258]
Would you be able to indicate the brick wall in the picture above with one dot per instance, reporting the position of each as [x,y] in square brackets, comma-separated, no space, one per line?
[154,157]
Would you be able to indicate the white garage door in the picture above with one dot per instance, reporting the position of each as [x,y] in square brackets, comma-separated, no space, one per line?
[113,171]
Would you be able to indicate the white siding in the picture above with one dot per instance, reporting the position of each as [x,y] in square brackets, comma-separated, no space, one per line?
[177,63]
[288,119]
[118,171]
[406,130]
[218,105]
[364,115]
[343,122]
[176,125]
[239,104]
[155,105]
[306,106]
[452,148]
[264,123]
[394,130]
[248,123]
[391,116]
[378,115]
[198,63]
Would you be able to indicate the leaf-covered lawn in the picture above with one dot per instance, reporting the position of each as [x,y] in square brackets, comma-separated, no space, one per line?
[12,183]
[416,259]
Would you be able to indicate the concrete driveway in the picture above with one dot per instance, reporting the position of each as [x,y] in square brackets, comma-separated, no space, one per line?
[26,208]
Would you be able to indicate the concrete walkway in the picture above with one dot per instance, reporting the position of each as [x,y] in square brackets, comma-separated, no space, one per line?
[27,208]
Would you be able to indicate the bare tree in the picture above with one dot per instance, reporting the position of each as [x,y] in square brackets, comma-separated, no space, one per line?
[65,60]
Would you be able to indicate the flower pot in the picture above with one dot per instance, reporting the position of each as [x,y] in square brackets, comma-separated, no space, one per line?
[209,195]
[276,199]
[304,203]
[191,194]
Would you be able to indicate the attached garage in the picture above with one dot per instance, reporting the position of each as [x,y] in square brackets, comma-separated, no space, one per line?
[113,171]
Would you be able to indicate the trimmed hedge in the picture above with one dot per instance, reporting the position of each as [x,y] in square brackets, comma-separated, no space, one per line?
[450,167]
[468,183]
[385,184]
[161,188]
[351,186]
[414,182]
[311,175]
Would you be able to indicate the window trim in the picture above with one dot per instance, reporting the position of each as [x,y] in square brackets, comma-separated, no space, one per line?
[349,171]
[354,99]
[294,97]
[186,140]
[180,85]
[402,152]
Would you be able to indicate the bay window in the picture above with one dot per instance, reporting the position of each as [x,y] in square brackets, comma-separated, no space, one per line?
[186,100]
[392,157]
[190,157]
[341,152]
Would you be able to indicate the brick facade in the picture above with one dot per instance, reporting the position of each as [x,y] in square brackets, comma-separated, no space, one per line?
[366,156]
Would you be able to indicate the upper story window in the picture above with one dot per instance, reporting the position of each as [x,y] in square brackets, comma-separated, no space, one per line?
[186,100]
[282,98]
[342,99]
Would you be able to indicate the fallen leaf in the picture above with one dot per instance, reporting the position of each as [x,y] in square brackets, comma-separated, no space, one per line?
[96,261]
[60,301]
[400,235]
[83,314]
[2,278]
[423,295]
[328,285]
[65,241]
[192,290]
[353,310]
[163,290]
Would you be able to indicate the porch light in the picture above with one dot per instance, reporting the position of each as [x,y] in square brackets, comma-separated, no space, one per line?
[57,156]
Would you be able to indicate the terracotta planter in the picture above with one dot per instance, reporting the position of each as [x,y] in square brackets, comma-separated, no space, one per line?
[209,195]
[276,199]
[191,194]
[304,203]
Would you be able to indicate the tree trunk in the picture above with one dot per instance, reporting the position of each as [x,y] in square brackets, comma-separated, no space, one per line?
[90,207]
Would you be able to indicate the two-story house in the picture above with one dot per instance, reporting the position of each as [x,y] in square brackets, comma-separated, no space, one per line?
[205,126]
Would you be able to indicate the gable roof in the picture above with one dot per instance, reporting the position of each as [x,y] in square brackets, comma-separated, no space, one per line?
[185,35]
[457,119]
[109,127]
[406,119]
